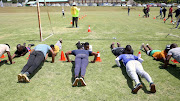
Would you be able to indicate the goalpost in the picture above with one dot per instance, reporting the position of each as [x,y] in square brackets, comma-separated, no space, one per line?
[39,22]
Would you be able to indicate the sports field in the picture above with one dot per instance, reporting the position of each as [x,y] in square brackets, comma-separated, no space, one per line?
[105,81]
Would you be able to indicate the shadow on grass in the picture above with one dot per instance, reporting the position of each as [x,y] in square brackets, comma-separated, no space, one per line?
[129,80]
[4,62]
[175,71]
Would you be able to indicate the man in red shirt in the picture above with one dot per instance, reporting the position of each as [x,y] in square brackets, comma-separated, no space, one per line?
[170,14]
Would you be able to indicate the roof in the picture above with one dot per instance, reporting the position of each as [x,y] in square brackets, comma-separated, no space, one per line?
[54,0]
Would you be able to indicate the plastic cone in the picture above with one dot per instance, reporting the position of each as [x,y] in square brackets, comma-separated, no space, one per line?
[62,57]
[175,61]
[154,18]
[3,56]
[164,19]
[82,17]
[98,57]
[28,57]
[171,21]
[79,18]
[89,30]
[139,14]
[139,55]
[71,21]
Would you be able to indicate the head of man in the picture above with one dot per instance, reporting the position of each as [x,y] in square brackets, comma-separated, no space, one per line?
[86,46]
[79,46]
[19,47]
[52,46]
[74,4]
[173,46]
[128,49]
[167,48]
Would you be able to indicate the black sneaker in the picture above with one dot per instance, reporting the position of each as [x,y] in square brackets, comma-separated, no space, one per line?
[75,83]
[82,81]
[137,87]
[152,88]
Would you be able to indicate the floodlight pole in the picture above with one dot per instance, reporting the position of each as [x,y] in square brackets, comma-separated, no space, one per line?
[39,20]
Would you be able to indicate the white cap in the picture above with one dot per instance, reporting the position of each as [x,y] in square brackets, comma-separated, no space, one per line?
[74,4]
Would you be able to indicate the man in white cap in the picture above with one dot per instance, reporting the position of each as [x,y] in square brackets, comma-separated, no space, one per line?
[75,14]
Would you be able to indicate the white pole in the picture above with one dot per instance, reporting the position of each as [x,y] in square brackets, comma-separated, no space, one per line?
[39,20]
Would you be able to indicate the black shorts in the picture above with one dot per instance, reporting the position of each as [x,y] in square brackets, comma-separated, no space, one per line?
[169,15]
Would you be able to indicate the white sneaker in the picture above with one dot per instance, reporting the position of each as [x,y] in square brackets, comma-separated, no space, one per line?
[141,46]
[82,81]
[75,83]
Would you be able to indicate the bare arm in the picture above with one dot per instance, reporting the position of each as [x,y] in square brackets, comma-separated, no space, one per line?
[167,61]
[46,56]
[9,56]
[67,55]
[53,55]
[31,51]
[95,57]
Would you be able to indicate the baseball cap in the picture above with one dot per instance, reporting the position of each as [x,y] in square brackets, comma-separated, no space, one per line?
[167,46]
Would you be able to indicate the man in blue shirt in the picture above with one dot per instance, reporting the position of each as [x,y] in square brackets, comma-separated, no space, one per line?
[134,68]
[37,56]
[160,13]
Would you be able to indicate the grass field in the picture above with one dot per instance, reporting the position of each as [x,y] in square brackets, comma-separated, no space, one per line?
[105,81]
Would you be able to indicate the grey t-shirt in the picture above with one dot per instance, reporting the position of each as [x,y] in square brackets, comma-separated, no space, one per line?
[175,52]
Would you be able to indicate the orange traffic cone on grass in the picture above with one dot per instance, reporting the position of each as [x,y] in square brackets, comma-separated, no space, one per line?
[139,14]
[62,57]
[98,58]
[89,29]
[71,21]
[139,55]
[154,18]
[3,56]
[79,18]
[175,61]
[164,19]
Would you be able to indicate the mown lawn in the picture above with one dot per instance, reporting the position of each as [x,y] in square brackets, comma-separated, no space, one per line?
[105,81]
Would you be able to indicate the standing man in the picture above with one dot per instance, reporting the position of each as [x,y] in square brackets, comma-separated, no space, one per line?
[173,52]
[170,14]
[160,13]
[147,10]
[63,13]
[36,57]
[75,14]
[5,48]
[177,11]
[164,12]
[128,10]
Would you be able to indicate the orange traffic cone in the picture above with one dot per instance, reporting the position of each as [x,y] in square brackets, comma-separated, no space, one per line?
[98,57]
[82,17]
[154,18]
[28,57]
[89,30]
[139,55]
[79,18]
[71,21]
[139,14]
[175,61]
[3,56]
[62,57]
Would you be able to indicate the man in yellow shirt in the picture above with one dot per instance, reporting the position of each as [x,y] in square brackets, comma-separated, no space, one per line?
[75,14]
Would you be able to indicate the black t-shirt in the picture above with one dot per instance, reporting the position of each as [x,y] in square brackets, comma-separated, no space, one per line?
[24,49]
[164,10]
[80,51]
[177,12]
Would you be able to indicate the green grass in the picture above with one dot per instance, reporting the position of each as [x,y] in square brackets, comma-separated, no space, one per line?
[105,81]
